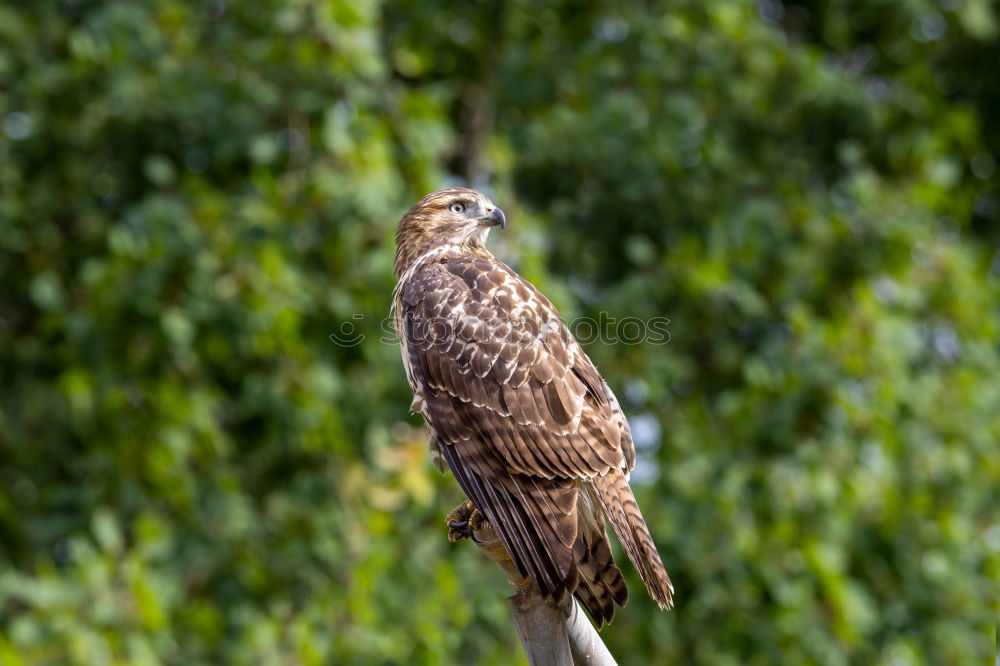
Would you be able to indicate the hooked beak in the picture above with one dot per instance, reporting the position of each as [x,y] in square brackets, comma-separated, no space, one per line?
[496,218]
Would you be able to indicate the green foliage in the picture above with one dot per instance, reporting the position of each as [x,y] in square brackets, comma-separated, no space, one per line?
[195,196]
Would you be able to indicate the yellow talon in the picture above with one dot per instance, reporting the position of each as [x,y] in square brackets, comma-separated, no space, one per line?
[463,520]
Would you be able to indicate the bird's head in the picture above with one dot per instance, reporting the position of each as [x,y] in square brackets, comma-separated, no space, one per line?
[456,216]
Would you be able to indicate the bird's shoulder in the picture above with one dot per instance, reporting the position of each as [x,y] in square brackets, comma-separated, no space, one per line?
[476,277]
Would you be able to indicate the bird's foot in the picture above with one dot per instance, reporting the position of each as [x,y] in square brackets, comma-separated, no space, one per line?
[463,521]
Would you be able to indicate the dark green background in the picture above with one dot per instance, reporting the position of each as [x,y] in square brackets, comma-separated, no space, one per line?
[195,196]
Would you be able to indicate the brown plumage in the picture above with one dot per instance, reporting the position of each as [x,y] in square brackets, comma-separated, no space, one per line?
[516,409]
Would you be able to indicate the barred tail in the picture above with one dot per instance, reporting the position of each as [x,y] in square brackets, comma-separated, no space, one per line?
[601,586]
[626,520]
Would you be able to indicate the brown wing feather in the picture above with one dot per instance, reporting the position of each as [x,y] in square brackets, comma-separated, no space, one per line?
[523,418]
[548,383]
[521,511]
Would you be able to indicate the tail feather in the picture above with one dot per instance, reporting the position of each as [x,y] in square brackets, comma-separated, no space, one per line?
[630,528]
[601,585]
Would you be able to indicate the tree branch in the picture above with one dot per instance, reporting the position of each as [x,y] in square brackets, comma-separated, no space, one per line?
[551,635]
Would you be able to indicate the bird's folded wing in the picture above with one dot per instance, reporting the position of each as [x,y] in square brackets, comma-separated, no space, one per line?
[497,365]
[535,519]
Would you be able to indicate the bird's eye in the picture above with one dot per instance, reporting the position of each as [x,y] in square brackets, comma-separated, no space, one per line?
[457,208]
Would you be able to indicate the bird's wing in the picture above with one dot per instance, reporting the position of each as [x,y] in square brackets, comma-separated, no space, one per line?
[483,337]
[522,414]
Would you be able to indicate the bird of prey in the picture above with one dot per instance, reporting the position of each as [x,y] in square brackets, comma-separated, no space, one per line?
[516,409]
